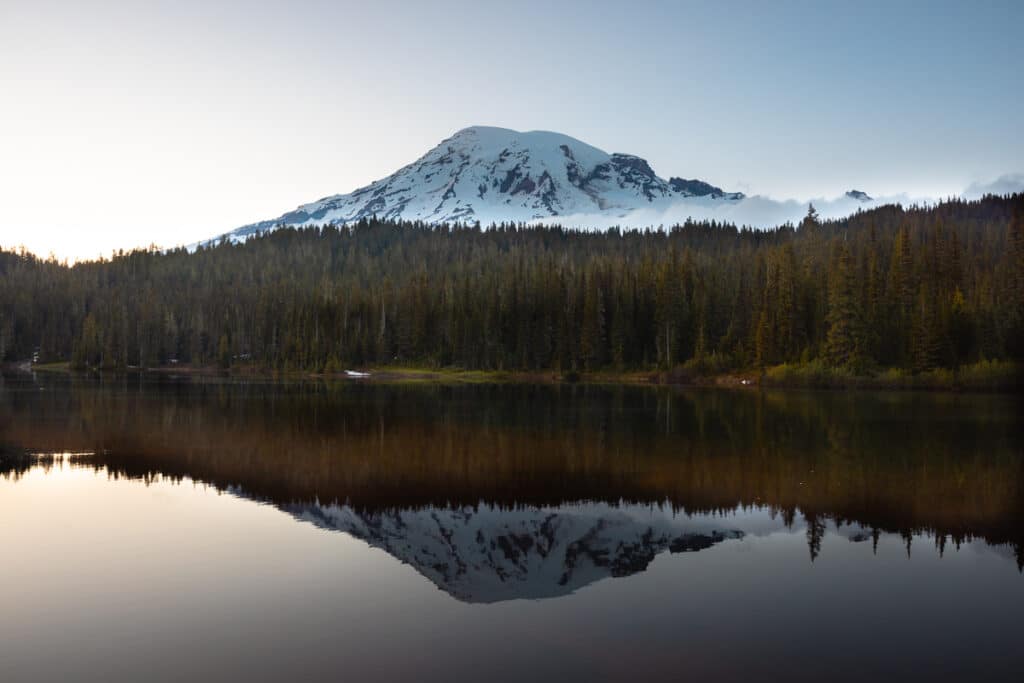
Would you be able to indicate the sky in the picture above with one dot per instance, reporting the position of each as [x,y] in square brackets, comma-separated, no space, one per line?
[125,124]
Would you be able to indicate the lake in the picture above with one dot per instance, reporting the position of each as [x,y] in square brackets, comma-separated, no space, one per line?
[214,529]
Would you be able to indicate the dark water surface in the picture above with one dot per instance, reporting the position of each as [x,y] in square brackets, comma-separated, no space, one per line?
[219,530]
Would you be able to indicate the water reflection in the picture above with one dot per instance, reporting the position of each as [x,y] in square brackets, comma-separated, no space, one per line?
[495,493]
[488,554]
[204,530]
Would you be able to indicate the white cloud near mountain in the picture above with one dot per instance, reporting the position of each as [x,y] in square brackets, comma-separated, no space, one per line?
[759,211]
[756,211]
[1004,184]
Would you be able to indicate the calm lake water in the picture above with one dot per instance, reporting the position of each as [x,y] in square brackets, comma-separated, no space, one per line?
[158,529]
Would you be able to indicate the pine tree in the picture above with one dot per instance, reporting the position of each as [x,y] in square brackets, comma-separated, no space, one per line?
[926,339]
[961,329]
[224,352]
[593,340]
[844,342]
[811,222]
[1015,290]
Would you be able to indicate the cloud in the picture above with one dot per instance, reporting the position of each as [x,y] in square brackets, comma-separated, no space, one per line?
[1004,184]
[757,211]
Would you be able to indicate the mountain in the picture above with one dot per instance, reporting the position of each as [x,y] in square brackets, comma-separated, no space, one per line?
[494,174]
[859,196]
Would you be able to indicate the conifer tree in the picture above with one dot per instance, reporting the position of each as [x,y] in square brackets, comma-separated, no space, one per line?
[844,342]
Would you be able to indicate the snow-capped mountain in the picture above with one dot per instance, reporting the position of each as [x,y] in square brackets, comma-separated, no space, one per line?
[487,554]
[494,174]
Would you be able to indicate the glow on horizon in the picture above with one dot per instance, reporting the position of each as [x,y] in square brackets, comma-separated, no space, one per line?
[124,124]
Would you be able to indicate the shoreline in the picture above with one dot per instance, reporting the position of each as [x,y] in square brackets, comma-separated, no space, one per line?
[983,377]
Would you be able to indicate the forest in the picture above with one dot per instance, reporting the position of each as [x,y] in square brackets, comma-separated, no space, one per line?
[917,289]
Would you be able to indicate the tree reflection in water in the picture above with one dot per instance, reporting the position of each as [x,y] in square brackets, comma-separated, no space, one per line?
[506,491]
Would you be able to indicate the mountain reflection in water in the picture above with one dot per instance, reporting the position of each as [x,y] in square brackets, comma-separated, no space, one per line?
[488,554]
[501,492]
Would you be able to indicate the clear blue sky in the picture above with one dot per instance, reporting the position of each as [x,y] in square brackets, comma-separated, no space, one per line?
[124,123]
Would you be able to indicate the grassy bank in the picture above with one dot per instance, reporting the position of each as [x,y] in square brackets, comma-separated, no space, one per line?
[981,376]
[984,376]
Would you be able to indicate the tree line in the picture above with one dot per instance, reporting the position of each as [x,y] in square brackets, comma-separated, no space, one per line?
[917,288]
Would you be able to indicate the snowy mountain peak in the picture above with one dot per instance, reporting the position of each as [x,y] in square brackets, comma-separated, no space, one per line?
[495,175]
[858,195]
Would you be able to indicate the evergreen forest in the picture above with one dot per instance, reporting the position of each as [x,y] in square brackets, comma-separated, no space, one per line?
[912,288]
